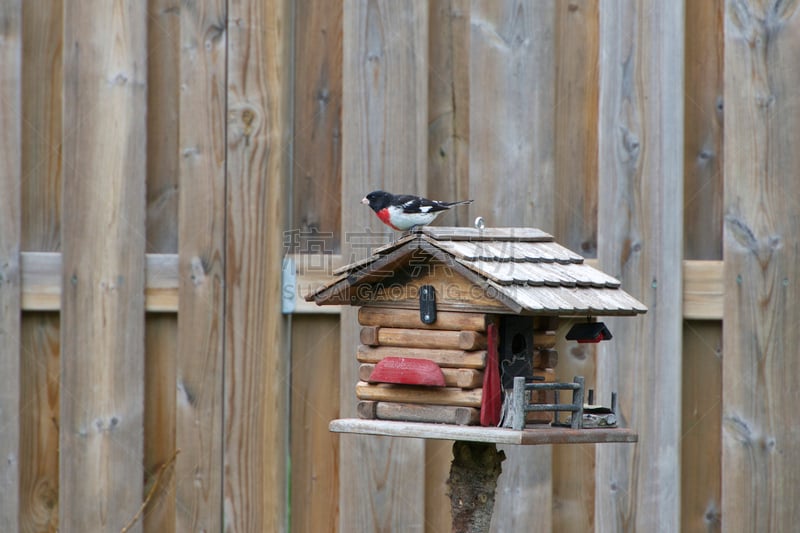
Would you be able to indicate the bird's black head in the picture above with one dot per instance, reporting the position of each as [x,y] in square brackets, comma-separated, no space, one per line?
[377,200]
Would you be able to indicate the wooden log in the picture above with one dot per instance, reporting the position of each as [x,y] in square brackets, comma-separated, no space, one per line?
[409,318]
[434,396]
[438,414]
[443,358]
[542,417]
[543,340]
[473,480]
[545,358]
[463,378]
[366,409]
[407,371]
[421,338]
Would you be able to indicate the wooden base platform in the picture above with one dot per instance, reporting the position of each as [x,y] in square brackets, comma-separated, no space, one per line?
[528,436]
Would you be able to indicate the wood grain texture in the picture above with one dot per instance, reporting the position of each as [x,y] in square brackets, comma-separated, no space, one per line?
[448,110]
[703,139]
[511,106]
[761,370]
[575,149]
[201,267]
[103,233]
[10,285]
[315,402]
[256,412]
[640,242]
[41,231]
[317,161]
[161,229]
[384,136]
[701,427]
[512,74]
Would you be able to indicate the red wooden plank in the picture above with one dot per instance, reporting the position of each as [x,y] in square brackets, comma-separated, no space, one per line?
[407,371]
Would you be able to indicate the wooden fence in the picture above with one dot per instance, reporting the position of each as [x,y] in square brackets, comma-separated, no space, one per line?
[160,159]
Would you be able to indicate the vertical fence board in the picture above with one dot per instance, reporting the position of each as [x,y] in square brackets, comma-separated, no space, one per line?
[448,106]
[41,231]
[256,363]
[315,402]
[703,176]
[512,84]
[701,427]
[448,179]
[161,223]
[761,369]
[640,241]
[576,228]
[102,333]
[317,163]
[201,264]
[701,445]
[384,146]
[10,308]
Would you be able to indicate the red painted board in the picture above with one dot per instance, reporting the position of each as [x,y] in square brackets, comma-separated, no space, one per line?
[407,371]
[491,400]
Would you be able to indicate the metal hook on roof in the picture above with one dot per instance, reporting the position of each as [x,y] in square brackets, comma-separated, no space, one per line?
[480,223]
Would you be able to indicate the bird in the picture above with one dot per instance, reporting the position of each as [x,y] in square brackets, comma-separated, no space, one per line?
[403,212]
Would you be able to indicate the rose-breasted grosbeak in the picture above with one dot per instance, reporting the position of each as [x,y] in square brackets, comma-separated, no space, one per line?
[404,211]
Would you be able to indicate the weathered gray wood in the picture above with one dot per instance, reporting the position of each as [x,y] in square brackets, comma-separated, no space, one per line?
[200,267]
[103,235]
[256,373]
[10,304]
[384,136]
[761,367]
[512,111]
[640,242]
[535,436]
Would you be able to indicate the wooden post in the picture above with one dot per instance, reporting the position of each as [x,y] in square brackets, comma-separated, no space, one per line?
[384,146]
[761,369]
[10,286]
[640,242]
[102,313]
[474,472]
[201,257]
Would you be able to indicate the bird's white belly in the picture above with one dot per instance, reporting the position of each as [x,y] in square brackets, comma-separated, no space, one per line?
[406,221]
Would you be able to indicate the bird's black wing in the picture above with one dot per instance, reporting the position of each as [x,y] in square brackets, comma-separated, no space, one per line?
[415,204]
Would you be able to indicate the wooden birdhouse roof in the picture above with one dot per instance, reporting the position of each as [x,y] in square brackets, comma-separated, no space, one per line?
[506,270]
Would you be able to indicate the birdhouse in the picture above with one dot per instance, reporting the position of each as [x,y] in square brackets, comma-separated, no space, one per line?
[452,319]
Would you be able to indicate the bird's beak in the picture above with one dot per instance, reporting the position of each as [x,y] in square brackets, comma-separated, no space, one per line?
[365,201]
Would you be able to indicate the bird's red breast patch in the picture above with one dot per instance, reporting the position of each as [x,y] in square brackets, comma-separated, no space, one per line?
[385,217]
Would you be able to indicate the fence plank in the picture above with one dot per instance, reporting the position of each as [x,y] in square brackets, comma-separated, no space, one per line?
[102,333]
[512,84]
[761,370]
[384,146]
[448,111]
[161,223]
[575,168]
[640,241]
[201,266]
[315,402]
[256,366]
[701,446]
[10,285]
[41,231]
[317,163]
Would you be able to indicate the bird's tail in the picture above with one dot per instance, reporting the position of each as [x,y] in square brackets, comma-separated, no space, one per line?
[460,202]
